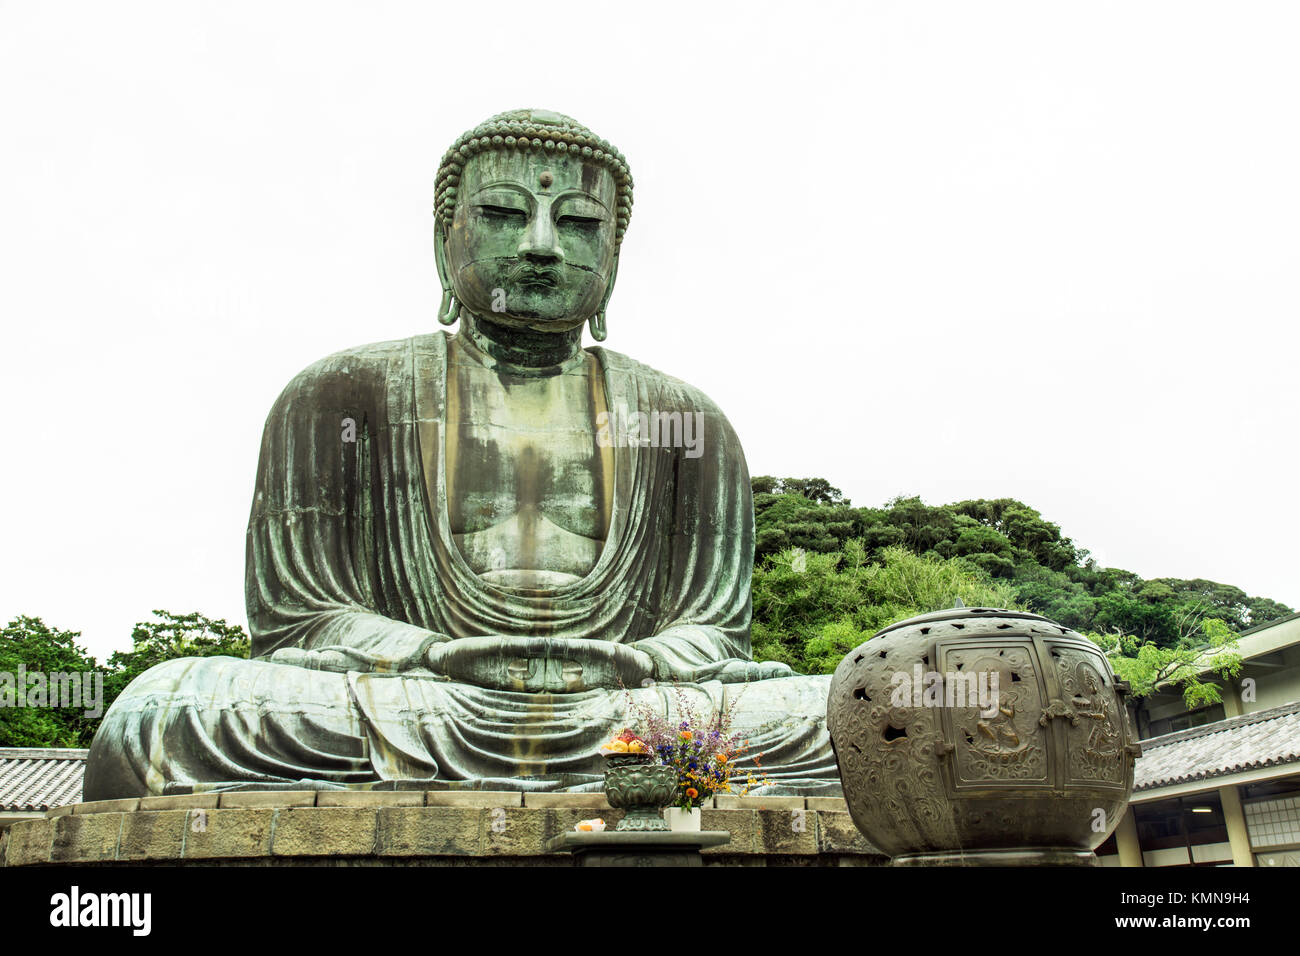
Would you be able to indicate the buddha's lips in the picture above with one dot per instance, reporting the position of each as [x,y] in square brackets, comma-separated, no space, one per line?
[528,275]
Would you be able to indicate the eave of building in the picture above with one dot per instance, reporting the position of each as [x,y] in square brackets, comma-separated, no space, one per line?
[1252,748]
[1211,784]
[1263,639]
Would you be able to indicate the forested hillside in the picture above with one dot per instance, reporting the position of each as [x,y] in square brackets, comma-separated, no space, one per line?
[827,575]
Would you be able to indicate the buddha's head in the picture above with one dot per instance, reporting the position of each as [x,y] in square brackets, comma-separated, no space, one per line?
[530,209]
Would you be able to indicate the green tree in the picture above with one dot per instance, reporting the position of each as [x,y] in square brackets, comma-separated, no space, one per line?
[1147,666]
[812,609]
[38,648]
[790,520]
[1030,536]
[924,528]
[1054,595]
[169,637]
[817,490]
[1147,618]
[984,547]
[1263,611]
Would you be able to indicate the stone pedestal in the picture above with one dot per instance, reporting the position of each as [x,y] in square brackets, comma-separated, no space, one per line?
[416,828]
[629,848]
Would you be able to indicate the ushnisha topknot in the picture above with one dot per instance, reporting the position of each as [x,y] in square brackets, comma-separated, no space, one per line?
[536,130]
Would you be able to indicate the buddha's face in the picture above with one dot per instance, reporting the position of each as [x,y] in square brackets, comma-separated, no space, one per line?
[532,241]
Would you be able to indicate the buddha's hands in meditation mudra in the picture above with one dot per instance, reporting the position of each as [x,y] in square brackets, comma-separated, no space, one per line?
[540,664]
[557,665]
[528,664]
[549,665]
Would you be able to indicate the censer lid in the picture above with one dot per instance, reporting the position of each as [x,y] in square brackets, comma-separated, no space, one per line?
[966,614]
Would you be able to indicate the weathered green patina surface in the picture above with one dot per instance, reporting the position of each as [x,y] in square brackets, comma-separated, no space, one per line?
[463,547]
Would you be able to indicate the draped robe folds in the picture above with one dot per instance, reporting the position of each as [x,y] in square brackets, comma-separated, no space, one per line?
[350,550]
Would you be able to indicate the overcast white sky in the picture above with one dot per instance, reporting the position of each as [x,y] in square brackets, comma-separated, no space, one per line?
[1036,250]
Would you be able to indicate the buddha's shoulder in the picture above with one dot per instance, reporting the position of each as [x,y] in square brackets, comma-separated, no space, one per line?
[363,367]
[662,387]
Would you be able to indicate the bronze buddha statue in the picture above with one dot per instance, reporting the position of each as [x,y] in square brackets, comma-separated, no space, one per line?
[463,562]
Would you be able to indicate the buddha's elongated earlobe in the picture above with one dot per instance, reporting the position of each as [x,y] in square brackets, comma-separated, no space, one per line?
[597,322]
[449,310]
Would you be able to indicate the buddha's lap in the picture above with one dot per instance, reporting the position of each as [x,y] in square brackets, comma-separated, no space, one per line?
[221,719]
[253,690]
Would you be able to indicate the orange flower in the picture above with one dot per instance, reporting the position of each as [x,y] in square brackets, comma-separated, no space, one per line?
[685,735]
[722,758]
[692,792]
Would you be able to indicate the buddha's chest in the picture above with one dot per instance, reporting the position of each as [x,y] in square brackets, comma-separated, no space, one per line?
[528,484]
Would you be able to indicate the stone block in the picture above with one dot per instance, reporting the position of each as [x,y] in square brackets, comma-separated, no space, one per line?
[235,833]
[370,798]
[525,832]
[184,801]
[152,835]
[837,834]
[249,799]
[567,801]
[28,842]
[62,811]
[521,832]
[85,838]
[564,819]
[741,824]
[473,798]
[729,801]
[431,831]
[792,831]
[325,831]
[837,804]
[125,805]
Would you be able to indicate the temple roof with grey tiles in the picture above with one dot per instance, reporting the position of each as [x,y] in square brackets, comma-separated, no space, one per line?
[38,778]
[1265,738]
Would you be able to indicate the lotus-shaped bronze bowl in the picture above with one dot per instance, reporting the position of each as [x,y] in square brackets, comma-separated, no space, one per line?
[641,788]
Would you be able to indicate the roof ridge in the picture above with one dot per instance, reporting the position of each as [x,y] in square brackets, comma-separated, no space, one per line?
[1219,726]
[1210,774]
[1267,624]
[43,753]
[1267,738]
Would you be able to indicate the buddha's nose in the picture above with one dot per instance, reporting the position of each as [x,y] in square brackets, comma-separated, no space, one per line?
[540,243]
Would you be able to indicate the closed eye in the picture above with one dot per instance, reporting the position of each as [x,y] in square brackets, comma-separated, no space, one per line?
[502,213]
[583,222]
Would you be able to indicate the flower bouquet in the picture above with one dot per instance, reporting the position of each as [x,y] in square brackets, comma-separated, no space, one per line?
[702,752]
